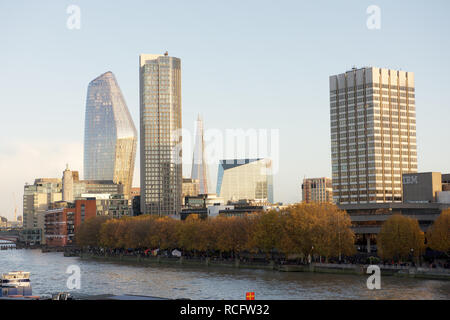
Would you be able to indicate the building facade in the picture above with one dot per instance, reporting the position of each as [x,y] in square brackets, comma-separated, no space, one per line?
[190,188]
[59,227]
[110,137]
[373,134]
[36,200]
[249,179]
[317,190]
[160,123]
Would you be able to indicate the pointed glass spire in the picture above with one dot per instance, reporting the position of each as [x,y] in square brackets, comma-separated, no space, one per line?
[199,166]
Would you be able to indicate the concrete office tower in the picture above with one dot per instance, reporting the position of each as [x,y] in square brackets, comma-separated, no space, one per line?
[245,179]
[317,190]
[160,122]
[110,137]
[67,185]
[199,166]
[373,134]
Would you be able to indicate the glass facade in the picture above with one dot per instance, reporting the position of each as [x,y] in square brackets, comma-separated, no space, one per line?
[160,123]
[249,179]
[110,137]
[199,167]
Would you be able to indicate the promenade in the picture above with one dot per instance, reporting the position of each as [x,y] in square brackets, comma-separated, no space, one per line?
[332,268]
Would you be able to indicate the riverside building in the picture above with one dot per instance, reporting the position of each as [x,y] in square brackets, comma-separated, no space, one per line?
[373,134]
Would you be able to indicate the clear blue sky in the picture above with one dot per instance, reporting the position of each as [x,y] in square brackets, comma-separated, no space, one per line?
[245,64]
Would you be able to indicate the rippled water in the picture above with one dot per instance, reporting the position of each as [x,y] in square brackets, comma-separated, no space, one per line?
[48,275]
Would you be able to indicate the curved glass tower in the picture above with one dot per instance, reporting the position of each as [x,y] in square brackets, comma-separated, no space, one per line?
[110,137]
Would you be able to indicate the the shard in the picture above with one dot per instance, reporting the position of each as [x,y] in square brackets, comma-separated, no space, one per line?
[199,166]
[110,137]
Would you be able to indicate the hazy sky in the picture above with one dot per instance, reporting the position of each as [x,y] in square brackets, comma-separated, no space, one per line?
[245,64]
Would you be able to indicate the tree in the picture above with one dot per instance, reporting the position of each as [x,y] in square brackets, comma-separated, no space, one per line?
[232,234]
[88,233]
[267,231]
[438,236]
[400,238]
[317,228]
[108,233]
[167,233]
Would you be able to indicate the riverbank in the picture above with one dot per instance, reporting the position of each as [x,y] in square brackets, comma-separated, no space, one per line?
[410,272]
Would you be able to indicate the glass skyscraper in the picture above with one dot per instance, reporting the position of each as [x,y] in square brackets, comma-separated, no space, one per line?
[160,123]
[245,179]
[110,137]
[199,166]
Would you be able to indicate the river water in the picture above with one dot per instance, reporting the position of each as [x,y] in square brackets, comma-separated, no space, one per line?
[48,275]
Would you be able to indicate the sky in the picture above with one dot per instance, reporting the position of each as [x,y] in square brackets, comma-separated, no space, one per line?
[246,64]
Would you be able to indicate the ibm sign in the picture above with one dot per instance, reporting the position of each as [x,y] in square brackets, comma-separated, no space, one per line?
[410,179]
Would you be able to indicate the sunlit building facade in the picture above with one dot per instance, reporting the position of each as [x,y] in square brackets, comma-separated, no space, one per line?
[317,190]
[373,134]
[160,123]
[36,200]
[245,179]
[110,138]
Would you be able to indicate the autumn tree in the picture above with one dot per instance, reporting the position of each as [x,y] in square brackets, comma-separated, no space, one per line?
[88,233]
[232,233]
[189,235]
[317,229]
[399,238]
[333,235]
[108,233]
[438,236]
[267,230]
[167,233]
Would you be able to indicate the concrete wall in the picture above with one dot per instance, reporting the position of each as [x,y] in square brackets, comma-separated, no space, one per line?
[421,187]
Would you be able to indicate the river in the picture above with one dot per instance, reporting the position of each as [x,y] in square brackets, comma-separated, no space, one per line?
[48,275]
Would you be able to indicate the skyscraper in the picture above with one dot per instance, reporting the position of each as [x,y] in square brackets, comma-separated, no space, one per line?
[199,166]
[245,179]
[110,137]
[160,122]
[373,134]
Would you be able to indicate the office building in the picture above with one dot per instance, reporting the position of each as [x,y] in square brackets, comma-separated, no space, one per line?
[110,137]
[111,205]
[317,190]
[373,134]
[73,187]
[36,200]
[249,179]
[160,123]
[423,200]
[190,188]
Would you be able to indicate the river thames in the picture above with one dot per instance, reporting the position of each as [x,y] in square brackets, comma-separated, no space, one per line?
[48,276]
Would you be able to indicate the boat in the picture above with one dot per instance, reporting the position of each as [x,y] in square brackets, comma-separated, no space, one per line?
[16,284]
